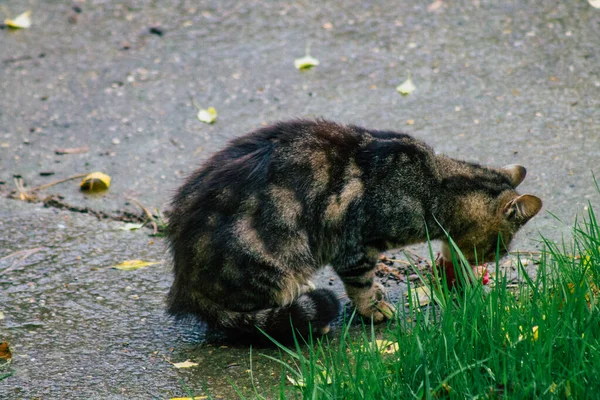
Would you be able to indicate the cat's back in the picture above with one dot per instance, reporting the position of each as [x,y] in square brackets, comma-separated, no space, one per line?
[298,148]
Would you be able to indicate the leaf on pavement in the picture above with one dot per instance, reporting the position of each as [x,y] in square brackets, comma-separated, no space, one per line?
[407,87]
[305,62]
[130,265]
[95,182]
[208,116]
[185,364]
[22,21]
[131,227]
[436,5]
[190,398]
[5,353]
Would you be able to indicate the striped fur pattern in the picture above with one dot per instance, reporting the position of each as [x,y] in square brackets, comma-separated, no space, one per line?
[250,227]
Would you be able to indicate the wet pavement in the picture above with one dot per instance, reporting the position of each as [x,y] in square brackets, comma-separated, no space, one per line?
[512,82]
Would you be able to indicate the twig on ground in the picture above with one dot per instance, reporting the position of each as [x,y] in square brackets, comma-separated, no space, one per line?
[23,193]
[146,211]
[29,194]
[47,185]
[16,263]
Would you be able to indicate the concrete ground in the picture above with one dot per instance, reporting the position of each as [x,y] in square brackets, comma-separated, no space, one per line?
[496,82]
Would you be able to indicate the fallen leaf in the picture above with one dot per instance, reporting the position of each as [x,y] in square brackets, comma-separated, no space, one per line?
[131,227]
[72,150]
[5,353]
[1,315]
[407,87]
[594,3]
[189,398]
[386,346]
[95,182]
[305,62]
[324,378]
[22,21]
[420,296]
[130,265]
[208,116]
[185,364]
[435,5]
[298,383]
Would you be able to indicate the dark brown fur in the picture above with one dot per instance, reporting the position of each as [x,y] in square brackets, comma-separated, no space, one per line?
[248,229]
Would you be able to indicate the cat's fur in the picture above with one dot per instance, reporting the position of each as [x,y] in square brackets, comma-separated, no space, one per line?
[249,228]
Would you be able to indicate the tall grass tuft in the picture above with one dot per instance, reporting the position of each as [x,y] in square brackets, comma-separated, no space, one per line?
[539,340]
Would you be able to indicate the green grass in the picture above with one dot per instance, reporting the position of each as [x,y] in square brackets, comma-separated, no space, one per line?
[540,340]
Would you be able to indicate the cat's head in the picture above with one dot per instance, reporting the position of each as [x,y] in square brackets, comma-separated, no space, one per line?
[486,215]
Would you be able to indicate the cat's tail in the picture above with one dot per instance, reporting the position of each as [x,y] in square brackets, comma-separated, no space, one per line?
[313,310]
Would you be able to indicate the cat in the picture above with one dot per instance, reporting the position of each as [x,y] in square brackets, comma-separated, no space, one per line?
[250,227]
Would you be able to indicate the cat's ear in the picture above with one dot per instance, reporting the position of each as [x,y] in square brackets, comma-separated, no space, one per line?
[522,208]
[516,173]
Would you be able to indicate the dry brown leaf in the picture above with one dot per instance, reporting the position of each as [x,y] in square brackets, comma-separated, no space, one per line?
[5,353]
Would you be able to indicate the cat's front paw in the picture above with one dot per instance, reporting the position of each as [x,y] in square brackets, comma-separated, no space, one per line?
[374,305]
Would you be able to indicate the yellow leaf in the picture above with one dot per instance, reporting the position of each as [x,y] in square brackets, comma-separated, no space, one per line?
[298,383]
[420,296]
[386,346]
[305,62]
[535,333]
[185,364]
[208,116]
[95,182]
[130,265]
[189,398]
[553,387]
[407,87]
[22,21]
[594,3]
[324,378]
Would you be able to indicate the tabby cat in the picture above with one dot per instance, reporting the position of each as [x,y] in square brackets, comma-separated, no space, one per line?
[250,227]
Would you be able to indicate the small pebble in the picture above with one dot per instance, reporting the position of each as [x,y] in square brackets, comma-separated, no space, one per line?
[155,30]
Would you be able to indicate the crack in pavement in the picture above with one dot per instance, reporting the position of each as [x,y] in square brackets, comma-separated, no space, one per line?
[57,201]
